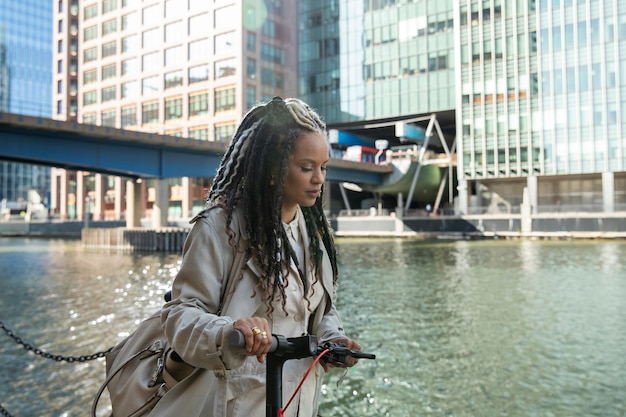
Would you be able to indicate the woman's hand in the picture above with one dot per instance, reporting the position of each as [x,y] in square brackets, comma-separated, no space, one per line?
[350,361]
[258,337]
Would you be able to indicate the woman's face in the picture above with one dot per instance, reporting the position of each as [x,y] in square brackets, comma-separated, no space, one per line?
[306,174]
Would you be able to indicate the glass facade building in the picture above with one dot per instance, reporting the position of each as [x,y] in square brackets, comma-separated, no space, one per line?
[541,105]
[361,60]
[533,87]
[25,84]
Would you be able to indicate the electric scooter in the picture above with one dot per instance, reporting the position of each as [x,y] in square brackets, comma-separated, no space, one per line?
[284,349]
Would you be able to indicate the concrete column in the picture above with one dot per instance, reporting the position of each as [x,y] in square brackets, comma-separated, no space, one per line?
[531,185]
[53,204]
[463,205]
[527,221]
[61,204]
[133,204]
[187,200]
[98,206]
[119,198]
[80,195]
[160,206]
[608,192]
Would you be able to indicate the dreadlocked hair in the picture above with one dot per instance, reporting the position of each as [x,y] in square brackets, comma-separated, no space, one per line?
[251,177]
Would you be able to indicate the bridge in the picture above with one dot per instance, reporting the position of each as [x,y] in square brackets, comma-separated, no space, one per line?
[132,154]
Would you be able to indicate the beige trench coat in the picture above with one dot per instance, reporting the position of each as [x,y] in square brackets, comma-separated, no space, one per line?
[200,336]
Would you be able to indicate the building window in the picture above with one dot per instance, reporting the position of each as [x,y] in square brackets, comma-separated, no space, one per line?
[90,76]
[223,17]
[129,43]
[129,116]
[60,87]
[90,97]
[108,94]
[129,66]
[109,49]
[150,39]
[90,119]
[108,6]
[272,54]
[129,21]
[60,66]
[150,85]
[90,33]
[250,97]
[173,79]
[129,89]
[225,44]
[107,118]
[109,27]
[224,99]
[150,113]
[150,61]
[224,132]
[173,9]
[251,41]
[201,133]
[199,50]
[272,78]
[174,32]
[60,107]
[91,11]
[109,71]
[199,25]
[173,109]
[174,56]
[251,68]
[198,73]
[225,68]
[151,14]
[198,104]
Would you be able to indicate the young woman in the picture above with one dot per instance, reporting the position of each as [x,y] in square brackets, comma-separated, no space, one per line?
[260,259]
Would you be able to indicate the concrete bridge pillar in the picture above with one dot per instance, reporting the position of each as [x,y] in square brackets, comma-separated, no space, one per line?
[608,192]
[160,206]
[98,204]
[133,204]
[81,204]
[119,198]
[187,197]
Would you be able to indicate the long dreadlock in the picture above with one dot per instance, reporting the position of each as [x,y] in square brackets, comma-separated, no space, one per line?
[251,176]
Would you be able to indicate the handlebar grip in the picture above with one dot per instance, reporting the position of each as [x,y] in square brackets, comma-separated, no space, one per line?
[238,340]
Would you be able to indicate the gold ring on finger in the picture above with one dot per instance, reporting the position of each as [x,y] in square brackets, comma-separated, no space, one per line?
[255,331]
[264,334]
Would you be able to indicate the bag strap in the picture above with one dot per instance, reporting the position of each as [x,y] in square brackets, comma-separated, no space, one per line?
[235,269]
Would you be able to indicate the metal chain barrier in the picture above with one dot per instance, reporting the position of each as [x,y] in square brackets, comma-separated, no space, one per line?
[42,353]
[47,355]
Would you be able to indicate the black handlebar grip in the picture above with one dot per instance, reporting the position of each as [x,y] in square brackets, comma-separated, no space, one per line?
[237,339]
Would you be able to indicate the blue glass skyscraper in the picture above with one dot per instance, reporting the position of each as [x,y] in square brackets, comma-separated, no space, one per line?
[25,83]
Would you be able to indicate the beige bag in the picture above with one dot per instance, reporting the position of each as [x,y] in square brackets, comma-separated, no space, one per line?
[136,374]
[140,369]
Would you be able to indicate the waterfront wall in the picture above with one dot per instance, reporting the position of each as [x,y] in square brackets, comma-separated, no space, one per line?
[112,235]
[576,225]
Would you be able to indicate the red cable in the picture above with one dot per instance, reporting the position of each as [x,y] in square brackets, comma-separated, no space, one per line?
[281,411]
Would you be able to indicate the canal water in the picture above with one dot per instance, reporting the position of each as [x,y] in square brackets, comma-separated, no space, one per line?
[460,328]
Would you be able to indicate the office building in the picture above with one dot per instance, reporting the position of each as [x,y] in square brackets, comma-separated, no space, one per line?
[533,85]
[25,85]
[186,68]
[542,117]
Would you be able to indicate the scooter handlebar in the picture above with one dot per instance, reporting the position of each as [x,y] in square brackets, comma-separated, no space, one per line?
[237,339]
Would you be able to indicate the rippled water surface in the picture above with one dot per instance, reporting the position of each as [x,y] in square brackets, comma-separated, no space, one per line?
[480,328]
